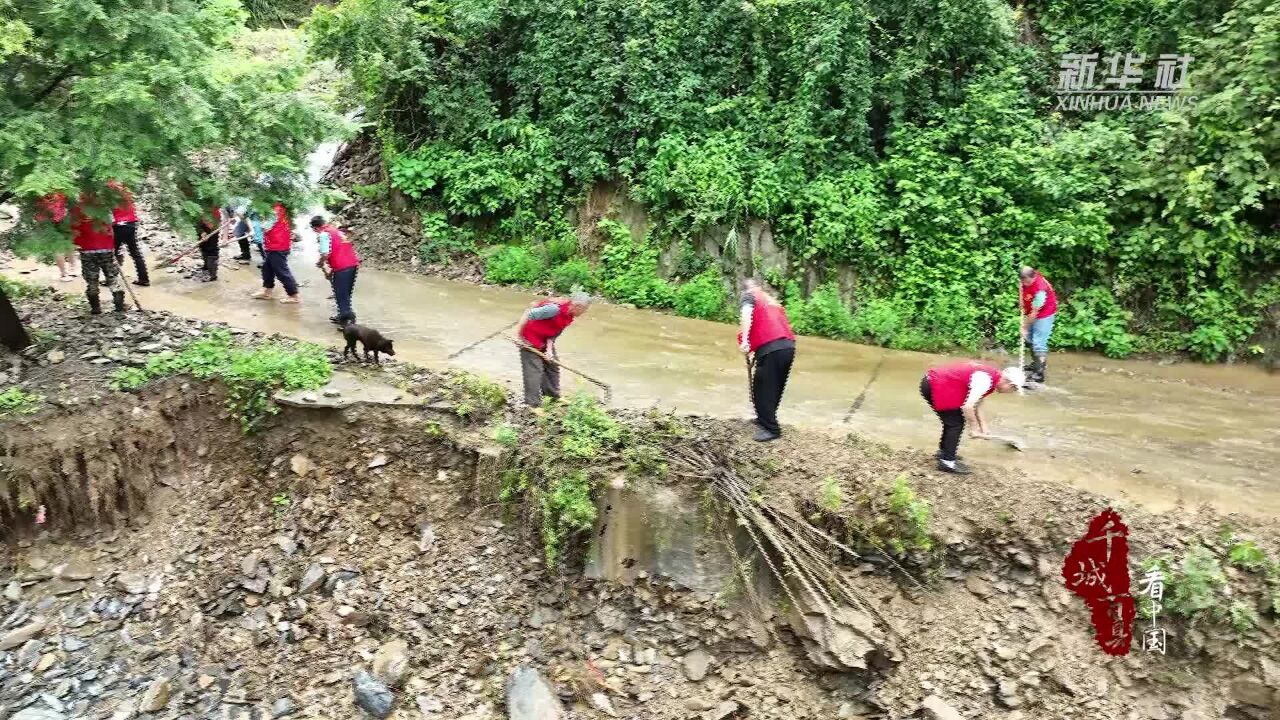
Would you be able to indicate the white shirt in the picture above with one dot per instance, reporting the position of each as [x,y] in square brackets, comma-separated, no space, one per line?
[979,384]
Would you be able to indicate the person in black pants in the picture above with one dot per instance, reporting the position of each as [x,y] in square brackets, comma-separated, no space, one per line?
[955,392]
[765,334]
[124,230]
[209,231]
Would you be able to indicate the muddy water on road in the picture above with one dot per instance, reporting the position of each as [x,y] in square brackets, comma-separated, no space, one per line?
[1159,435]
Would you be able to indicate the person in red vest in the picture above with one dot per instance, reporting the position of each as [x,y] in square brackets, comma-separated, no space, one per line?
[1039,306]
[276,242]
[53,209]
[124,227]
[339,254]
[765,335]
[955,391]
[97,245]
[539,327]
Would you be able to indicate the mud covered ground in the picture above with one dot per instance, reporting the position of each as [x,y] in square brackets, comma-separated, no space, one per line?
[259,577]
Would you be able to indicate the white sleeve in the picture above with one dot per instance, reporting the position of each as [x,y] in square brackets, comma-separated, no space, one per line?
[979,384]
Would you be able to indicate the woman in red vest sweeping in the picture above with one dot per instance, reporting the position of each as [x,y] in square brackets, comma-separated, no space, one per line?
[339,254]
[765,333]
[955,391]
[276,242]
[539,327]
[1039,306]
[124,227]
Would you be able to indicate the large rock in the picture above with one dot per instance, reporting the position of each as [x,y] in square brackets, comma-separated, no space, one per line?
[1249,691]
[38,713]
[156,698]
[391,662]
[312,579]
[531,697]
[935,708]
[372,696]
[696,664]
[15,638]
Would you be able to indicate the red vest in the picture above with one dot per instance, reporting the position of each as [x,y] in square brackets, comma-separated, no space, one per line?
[51,208]
[124,212]
[538,332]
[950,383]
[90,234]
[768,323]
[1050,297]
[342,254]
[277,238]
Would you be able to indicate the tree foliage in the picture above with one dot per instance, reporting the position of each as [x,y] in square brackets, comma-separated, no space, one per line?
[177,94]
[914,142]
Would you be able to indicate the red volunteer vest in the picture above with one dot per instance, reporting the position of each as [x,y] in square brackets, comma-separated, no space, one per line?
[538,332]
[950,383]
[124,212]
[51,208]
[90,234]
[1050,297]
[277,238]
[768,323]
[342,254]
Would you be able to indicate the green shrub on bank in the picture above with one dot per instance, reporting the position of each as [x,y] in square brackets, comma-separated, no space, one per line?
[702,297]
[629,270]
[514,264]
[251,373]
[572,273]
[822,313]
[16,401]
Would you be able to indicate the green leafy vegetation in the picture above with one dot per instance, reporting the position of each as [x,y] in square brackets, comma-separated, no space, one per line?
[914,146]
[1198,589]
[702,297]
[251,373]
[831,497]
[181,94]
[474,397]
[16,289]
[506,435]
[914,517]
[572,273]
[16,401]
[514,264]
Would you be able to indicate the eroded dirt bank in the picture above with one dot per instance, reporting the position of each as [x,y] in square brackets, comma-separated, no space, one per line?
[160,563]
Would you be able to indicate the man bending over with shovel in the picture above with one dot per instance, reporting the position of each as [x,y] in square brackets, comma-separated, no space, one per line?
[539,327]
[955,391]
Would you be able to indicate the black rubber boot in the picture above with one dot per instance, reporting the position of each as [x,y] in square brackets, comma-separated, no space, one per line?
[763,435]
[958,469]
[117,297]
[95,305]
[1037,373]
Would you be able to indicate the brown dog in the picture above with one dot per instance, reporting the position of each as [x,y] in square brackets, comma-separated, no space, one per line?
[370,338]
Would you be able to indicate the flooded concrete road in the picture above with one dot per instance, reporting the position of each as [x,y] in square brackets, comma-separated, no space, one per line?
[1159,435]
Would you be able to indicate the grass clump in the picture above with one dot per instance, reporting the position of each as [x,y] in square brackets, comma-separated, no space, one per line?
[506,435]
[913,518]
[16,289]
[830,496]
[15,401]
[474,396]
[251,373]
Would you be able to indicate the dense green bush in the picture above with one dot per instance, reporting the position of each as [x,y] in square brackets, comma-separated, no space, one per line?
[513,264]
[822,313]
[629,270]
[702,297]
[916,143]
[570,274]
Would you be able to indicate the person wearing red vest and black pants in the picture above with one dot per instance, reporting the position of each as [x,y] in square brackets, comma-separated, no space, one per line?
[955,391]
[539,327]
[97,245]
[766,333]
[124,227]
[276,243]
[1039,306]
[339,254]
